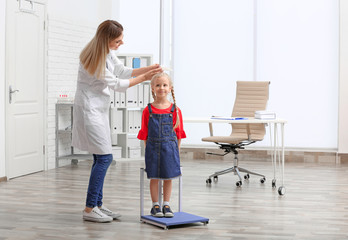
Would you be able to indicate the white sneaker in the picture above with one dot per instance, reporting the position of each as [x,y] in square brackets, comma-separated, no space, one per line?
[96,216]
[109,213]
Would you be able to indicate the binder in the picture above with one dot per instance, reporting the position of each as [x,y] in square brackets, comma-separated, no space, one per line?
[136,63]
[117,99]
[132,97]
[129,62]
[112,98]
[141,95]
[143,62]
[146,94]
[122,99]
[119,121]
[116,121]
[131,121]
[137,120]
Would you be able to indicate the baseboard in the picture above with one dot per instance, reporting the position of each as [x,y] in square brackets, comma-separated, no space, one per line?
[308,155]
[343,158]
[251,147]
[3,179]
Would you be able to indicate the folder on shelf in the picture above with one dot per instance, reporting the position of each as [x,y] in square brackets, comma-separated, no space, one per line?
[132,97]
[141,95]
[143,62]
[137,120]
[119,124]
[146,94]
[117,121]
[136,63]
[112,98]
[117,99]
[265,115]
[122,99]
[131,121]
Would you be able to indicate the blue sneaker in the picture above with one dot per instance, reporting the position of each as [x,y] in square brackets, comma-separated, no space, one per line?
[167,212]
[156,211]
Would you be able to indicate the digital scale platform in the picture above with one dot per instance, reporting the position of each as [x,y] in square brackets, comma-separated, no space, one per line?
[180,217]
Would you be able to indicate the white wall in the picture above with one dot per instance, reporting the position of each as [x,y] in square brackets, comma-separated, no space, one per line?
[2,87]
[69,30]
[140,20]
[213,48]
[77,10]
[343,86]
[297,50]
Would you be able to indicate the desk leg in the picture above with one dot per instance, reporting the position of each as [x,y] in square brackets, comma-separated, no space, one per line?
[281,189]
[274,155]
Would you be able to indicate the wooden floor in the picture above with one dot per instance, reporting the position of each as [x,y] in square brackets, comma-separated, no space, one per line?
[48,205]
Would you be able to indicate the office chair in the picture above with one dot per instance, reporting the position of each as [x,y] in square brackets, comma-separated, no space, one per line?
[251,96]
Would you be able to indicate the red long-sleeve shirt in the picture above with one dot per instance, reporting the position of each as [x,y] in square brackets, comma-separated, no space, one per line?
[143,133]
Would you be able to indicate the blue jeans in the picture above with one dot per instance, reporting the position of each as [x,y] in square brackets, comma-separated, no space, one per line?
[100,165]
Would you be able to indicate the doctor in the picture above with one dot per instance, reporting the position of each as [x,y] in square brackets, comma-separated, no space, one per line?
[99,71]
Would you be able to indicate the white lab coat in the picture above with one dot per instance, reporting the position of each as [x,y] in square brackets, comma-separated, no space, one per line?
[91,128]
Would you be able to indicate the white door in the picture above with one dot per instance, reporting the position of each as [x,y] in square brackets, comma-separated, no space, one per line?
[24,72]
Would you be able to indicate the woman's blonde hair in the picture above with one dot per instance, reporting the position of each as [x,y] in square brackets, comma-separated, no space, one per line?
[93,56]
[163,74]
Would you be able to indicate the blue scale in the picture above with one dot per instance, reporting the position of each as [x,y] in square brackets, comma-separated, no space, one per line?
[180,217]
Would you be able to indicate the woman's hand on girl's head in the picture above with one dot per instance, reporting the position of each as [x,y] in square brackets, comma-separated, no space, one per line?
[141,71]
[154,66]
[148,75]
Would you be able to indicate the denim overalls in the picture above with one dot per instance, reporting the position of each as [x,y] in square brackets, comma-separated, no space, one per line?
[162,153]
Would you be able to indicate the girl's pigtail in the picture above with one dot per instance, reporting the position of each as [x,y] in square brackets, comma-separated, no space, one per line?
[177,111]
[153,95]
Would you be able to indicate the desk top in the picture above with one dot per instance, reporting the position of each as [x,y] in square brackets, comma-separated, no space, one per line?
[226,120]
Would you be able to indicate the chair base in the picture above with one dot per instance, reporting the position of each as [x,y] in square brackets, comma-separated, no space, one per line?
[235,169]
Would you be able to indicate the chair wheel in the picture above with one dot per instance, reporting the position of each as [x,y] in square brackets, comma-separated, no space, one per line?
[216,178]
[281,190]
[246,176]
[208,181]
[262,180]
[239,183]
[274,183]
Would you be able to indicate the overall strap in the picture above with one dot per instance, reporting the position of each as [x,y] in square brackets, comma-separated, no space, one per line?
[149,106]
[173,107]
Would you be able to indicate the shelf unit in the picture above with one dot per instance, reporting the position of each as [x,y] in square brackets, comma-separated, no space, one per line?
[68,130]
[126,110]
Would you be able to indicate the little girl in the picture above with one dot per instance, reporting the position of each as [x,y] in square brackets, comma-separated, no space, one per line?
[162,130]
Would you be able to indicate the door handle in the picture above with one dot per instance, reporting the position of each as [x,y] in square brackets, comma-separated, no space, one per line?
[11,92]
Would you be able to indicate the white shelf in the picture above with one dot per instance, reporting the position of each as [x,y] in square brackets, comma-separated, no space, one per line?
[77,156]
[136,99]
[60,132]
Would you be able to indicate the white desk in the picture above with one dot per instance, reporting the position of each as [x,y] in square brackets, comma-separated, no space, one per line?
[276,147]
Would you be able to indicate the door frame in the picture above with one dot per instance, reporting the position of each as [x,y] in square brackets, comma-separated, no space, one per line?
[44,84]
